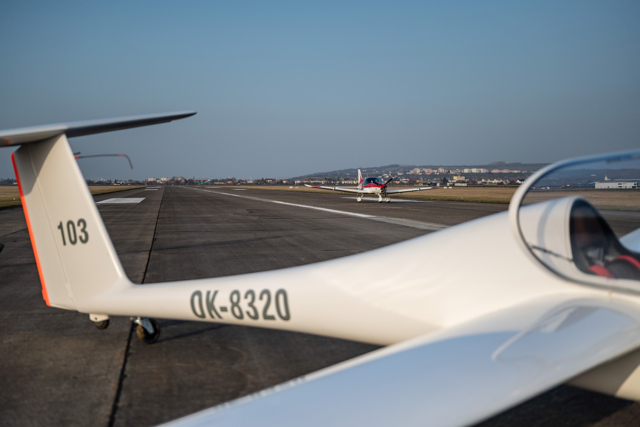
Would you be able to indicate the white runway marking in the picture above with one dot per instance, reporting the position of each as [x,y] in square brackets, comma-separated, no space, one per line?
[396,221]
[290,204]
[151,189]
[121,201]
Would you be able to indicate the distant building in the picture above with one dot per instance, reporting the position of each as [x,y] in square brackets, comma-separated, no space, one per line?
[617,185]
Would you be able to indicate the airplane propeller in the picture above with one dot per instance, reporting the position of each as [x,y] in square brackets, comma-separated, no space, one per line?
[388,181]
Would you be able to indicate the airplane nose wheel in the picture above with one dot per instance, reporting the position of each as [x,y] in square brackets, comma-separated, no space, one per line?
[147,330]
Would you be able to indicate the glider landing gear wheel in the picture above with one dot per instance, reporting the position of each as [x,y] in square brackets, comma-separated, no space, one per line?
[102,325]
[101,321]
[147,330]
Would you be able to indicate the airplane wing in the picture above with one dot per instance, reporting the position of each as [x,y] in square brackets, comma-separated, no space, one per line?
[409,190]
[348,190]
[456,377]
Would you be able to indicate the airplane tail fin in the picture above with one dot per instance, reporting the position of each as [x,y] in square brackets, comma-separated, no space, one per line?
[360,180]
[75,257]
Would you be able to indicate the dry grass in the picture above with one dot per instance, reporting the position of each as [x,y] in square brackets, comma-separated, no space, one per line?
[10,196]
[466,194]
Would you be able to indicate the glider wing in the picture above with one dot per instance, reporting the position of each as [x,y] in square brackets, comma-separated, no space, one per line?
[456,377]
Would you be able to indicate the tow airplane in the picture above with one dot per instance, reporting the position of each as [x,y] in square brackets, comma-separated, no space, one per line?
[546,293]
[371,185]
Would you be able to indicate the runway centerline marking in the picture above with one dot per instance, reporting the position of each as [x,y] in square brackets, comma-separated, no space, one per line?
[388,220]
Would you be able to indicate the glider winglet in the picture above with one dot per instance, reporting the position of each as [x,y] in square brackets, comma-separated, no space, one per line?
[38,133]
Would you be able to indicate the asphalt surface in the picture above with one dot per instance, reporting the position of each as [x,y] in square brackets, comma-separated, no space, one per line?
[56,368]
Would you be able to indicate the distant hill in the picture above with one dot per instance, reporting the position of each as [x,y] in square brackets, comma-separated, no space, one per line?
[404,169]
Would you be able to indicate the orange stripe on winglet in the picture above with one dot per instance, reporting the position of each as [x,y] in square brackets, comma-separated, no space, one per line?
[45,295]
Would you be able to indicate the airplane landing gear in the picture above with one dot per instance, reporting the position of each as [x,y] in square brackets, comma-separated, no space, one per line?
[359,199]
[388,200]
[379,199]
[102,325]
[147,330]
[101,321]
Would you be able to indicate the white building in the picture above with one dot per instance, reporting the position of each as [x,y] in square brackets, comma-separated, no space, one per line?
[616,185]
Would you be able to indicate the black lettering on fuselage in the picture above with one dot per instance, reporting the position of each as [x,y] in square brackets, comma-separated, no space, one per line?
[210,307]
[199,313]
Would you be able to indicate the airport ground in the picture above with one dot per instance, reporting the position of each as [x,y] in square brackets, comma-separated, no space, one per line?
[602,199]
[10,196]
[56,368]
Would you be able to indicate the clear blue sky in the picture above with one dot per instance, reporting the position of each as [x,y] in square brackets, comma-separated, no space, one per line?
[287,88]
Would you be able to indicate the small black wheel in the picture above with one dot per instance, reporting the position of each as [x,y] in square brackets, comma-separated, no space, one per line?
[145,336]
[102,325]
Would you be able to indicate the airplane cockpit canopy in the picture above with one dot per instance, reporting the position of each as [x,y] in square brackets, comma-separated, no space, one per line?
[581,220]
[373,181]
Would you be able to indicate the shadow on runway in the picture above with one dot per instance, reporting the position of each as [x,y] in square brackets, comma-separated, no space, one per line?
[167,324]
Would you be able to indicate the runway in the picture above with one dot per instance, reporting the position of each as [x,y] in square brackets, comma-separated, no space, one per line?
[57,369]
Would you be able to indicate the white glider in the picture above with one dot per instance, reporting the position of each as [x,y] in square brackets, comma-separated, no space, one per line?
[476,318]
